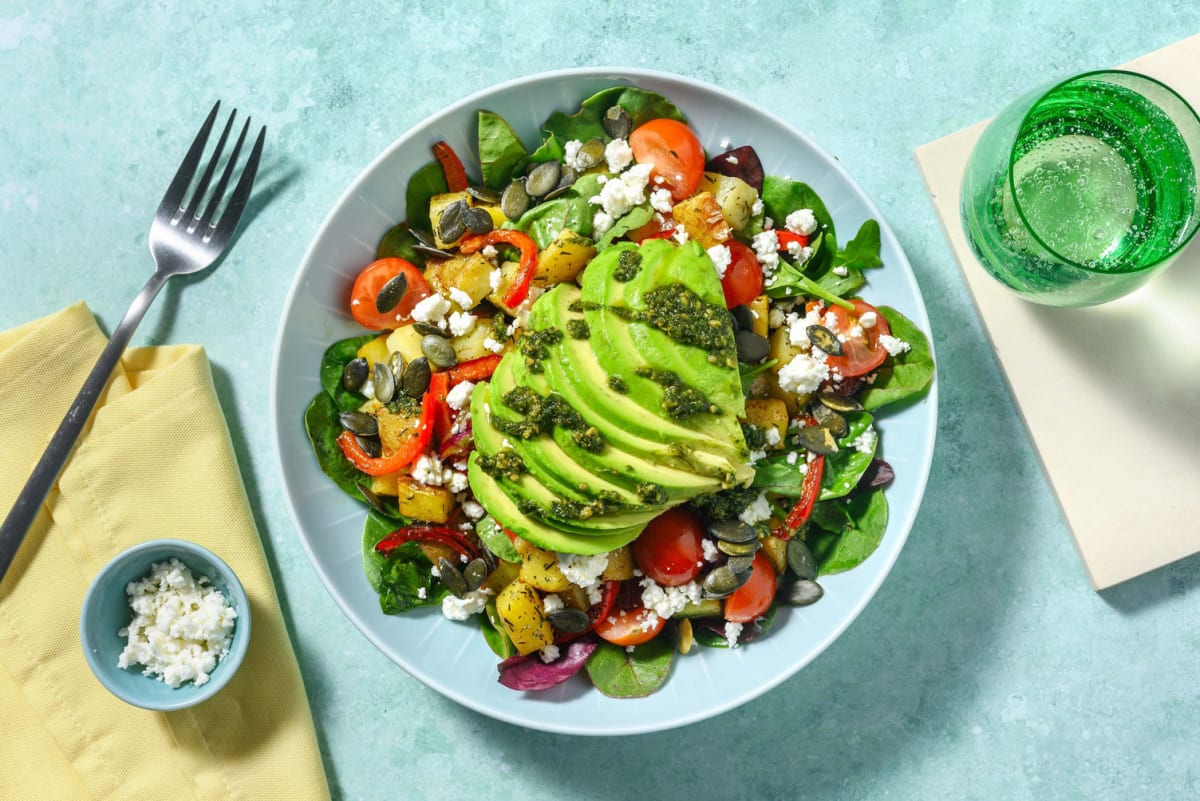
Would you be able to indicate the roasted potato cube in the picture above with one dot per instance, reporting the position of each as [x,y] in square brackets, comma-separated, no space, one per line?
[760,307]
[421,502]
[734,196]
[394,430]
[385,484]
[375,351]
[507,271]
[775,549]
[539,569]
[504,574]
[701,217]
[470,345]
[438,204]
[469,274]
[519,608]
[564,258]
[406,341]
[620,565]
[768,413]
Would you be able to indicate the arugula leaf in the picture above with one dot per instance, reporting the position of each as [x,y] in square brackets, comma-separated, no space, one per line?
[500,149]
[631,674]
[781,197]
[862,252]
[847,531]
[748,372]
[634,218]
[586,124]
[493,536]
[333,363]
[398,242]
[426,182]
[906,375]
[571,210]
[789,282]
[402,577]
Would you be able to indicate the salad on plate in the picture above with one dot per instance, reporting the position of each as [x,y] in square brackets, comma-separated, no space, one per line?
[614,398]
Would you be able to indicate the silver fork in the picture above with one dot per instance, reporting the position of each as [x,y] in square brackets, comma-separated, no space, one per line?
[182,241]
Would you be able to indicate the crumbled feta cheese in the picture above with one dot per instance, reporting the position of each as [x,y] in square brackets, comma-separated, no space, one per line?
[181,628]
[457,608]
[549,653]
[492,345]
[680,235]
[461,298]
[667,601]
[841,271]
[618,155]
[801,221]
[865,442]
[459,395]
[473,509]
[435,572]
[495,277]
[711,554]
[798,327]
[428,471]
[457,482]
[551,603]
[803,374]
[421,593]
[757,456]
[868,319]
[732,632]
[766,249]
[601,222]
[721,258]
[758,510]
[773,437]
[731,160]
[461,323]
[776,317]
[489,252]
[582,570]
[660,200]
[624,192]
[431,309]
[893,345]
[792,457]
[757,208]
[799,253]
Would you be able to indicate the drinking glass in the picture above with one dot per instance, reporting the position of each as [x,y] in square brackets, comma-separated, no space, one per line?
[1082,190]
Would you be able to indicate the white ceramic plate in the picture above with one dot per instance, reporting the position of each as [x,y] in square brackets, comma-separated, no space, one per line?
[452,658]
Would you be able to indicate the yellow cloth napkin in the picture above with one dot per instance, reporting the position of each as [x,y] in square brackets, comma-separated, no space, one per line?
[156,462]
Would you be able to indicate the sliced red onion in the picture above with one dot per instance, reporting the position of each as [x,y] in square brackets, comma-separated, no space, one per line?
[457,446]
[741,162]
[530,673]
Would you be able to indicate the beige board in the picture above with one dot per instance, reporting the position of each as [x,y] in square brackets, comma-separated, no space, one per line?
[1110,395]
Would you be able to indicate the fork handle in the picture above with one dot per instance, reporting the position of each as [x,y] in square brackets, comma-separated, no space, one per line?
[45,473]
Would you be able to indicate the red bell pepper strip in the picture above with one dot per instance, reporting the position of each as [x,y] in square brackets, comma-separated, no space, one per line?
[788,238]
[808,495]
[402,457]
[443,418]
[452,166]
[475,370]
[433,534]
[528,264]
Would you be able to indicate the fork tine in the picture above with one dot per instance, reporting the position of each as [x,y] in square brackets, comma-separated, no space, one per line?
[219,192]
[223,231]
[173,199]
[206,178]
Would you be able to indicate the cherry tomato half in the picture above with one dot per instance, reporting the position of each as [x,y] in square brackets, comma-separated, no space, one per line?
[752,599]
[675,154]
[372,279]
[630,626]
[861,352]
[669,549]
[743,281]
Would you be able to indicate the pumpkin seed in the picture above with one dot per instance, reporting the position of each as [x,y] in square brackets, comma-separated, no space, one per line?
[477,221]
[732,531]
[542,178]
[590,153]
[361,423]
[802,593]
[371,497]
[430,252]
[370,445]
[565,182]
[751,347]
[450,576]
[452,224]
[354,374]
[424,237]
[824,339]
[839,403]
[439,351]
[616,122]
[829,419]
[486,196]
[743,318]
[740,564]
[425,328]
[514,201]
[722,581]
[391,293]
[385,383]
[569,620]
[475,573]
[395,363]
[801,560]
[416,377]
[739,548]
[817,439]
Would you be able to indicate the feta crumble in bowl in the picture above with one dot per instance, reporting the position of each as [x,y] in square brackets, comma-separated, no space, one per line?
[164,590]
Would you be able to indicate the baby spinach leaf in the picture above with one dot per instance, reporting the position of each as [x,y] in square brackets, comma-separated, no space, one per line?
[398,242]
[631,674]
[333,363]
[493,536]
[571,210]
[776,476]
[634,218]
[710,632]
[748,372]
[321,424]
[847,530]
[906,375]
[586,124]
[551,149]
[401,578]
[862,252]
[493,632]
[844,468]
[500,149]
[781,196]
[426,182]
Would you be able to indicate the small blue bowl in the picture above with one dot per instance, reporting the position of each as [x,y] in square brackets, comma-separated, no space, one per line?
[106,609]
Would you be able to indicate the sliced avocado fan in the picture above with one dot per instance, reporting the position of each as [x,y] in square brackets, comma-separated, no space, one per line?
[621,400]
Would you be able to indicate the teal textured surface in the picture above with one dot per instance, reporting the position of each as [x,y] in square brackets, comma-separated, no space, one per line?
[984,668]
